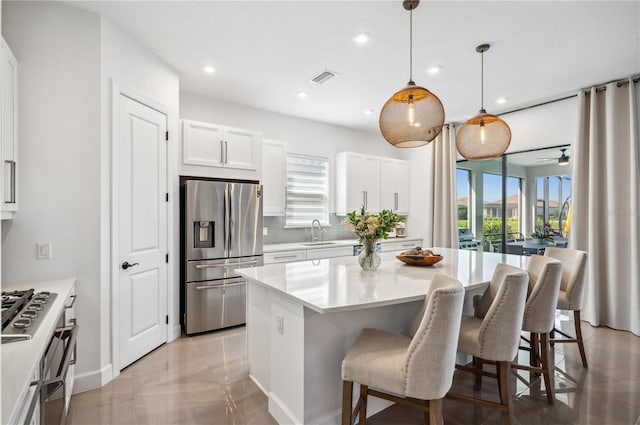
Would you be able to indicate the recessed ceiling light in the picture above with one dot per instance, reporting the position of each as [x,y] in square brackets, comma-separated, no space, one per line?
[361,38]
[368,111]
[501,100]
[434,70]
[209,69]
[302,94]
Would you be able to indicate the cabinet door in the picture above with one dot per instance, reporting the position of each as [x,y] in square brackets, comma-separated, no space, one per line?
[274,177]
[203,144]
[388,184]
[284,256]
[370,171]
[340,251]
[242,148]
[355,192]
[9,129]
[402,181]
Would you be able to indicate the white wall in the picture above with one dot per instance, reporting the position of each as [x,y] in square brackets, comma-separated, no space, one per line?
[128,64]
[302,135]
[58,48]
[67,59]
[544,126]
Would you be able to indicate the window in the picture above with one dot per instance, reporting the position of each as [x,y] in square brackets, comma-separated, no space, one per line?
[307,195]
[462,181]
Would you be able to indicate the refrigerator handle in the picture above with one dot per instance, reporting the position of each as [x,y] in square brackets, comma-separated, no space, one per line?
[230,219]
[227,207]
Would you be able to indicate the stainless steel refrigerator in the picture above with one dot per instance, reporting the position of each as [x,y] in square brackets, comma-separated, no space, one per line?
[222,231]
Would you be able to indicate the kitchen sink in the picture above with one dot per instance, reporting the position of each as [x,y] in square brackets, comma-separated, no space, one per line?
[318,243]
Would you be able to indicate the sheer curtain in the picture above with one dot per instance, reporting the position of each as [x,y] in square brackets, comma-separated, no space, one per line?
[606,204]
[444,217]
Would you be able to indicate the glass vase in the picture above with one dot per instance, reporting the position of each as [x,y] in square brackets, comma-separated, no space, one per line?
[369,259]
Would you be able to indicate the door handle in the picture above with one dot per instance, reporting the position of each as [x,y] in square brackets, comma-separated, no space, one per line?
[126,265]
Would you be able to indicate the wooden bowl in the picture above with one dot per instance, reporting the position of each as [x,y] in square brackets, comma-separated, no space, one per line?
[420,260]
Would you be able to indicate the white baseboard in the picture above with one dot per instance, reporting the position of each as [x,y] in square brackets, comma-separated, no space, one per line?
[280,412]
[259,385]
[94,379]
[175,333]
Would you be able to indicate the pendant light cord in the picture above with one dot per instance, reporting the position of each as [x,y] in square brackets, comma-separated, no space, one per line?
[411,45]
[482,80]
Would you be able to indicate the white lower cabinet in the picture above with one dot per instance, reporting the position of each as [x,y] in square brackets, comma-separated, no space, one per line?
[284,256]
[338,251]
[408,244]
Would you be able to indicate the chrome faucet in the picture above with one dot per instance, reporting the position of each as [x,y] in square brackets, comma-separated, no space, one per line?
[314,237]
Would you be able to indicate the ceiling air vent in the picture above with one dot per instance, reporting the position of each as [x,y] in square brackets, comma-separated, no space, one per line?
[323,77]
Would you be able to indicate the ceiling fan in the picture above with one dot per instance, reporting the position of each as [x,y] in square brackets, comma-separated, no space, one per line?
[562,160]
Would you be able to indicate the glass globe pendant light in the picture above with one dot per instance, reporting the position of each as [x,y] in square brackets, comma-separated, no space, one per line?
[484,136]
[413,116]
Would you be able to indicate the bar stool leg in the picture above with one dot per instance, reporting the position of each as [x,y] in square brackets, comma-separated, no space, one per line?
[577,324]
[435,412]
[547,369]
[504,371]
[363,404]
[347,401]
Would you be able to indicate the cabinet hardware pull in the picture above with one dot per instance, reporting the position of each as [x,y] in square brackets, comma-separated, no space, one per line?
[226,152]
[395,199]
[279,257]
[221,151]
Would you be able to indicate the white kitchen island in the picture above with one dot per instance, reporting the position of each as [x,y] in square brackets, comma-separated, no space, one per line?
[302,318]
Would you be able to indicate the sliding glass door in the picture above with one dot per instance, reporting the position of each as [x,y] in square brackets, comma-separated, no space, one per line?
[508,198]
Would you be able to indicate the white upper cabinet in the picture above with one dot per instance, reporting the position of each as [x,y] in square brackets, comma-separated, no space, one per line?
[9,132]
[394,185]
[274,177]
[211,150]
[357,182]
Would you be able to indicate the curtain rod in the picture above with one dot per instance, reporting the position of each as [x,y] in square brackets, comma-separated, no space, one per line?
[599,87]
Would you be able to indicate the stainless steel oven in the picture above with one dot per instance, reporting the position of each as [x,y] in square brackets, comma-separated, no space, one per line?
[60,354]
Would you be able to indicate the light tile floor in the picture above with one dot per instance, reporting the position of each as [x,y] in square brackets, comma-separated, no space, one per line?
[204,380]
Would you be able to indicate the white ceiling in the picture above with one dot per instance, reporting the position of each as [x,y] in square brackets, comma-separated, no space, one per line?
[265,52]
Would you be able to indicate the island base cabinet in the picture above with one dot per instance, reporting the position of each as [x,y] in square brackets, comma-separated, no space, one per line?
[302,374]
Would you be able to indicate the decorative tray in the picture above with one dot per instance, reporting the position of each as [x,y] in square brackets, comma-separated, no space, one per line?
[419,257]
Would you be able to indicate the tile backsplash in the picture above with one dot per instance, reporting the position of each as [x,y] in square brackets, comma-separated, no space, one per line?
[278,234]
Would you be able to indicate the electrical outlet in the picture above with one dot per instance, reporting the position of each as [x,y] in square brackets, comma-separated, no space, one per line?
[265,231]
[280,324]
[44,250]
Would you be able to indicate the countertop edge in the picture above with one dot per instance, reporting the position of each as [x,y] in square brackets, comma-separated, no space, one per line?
[19,359]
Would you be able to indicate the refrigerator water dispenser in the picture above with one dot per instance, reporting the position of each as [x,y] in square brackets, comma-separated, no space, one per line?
[203,234]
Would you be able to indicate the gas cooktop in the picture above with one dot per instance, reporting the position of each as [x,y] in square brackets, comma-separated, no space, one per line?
[22,313]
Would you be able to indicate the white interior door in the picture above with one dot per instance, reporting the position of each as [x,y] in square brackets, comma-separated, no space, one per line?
[142,229]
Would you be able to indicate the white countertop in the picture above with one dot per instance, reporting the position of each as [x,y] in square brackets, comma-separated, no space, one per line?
[294,246]
[339,284]
[19,359]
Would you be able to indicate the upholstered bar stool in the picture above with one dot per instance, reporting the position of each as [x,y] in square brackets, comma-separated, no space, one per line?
[545,274]
[493,333]
[574,267]
[415,371]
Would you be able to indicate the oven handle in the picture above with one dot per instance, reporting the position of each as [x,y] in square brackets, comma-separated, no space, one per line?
[34,401]
[73,301]
[70,333]
[210,266]
[230,285]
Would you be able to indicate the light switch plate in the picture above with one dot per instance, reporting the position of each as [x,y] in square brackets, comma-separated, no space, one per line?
[44,250]
[265,231]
